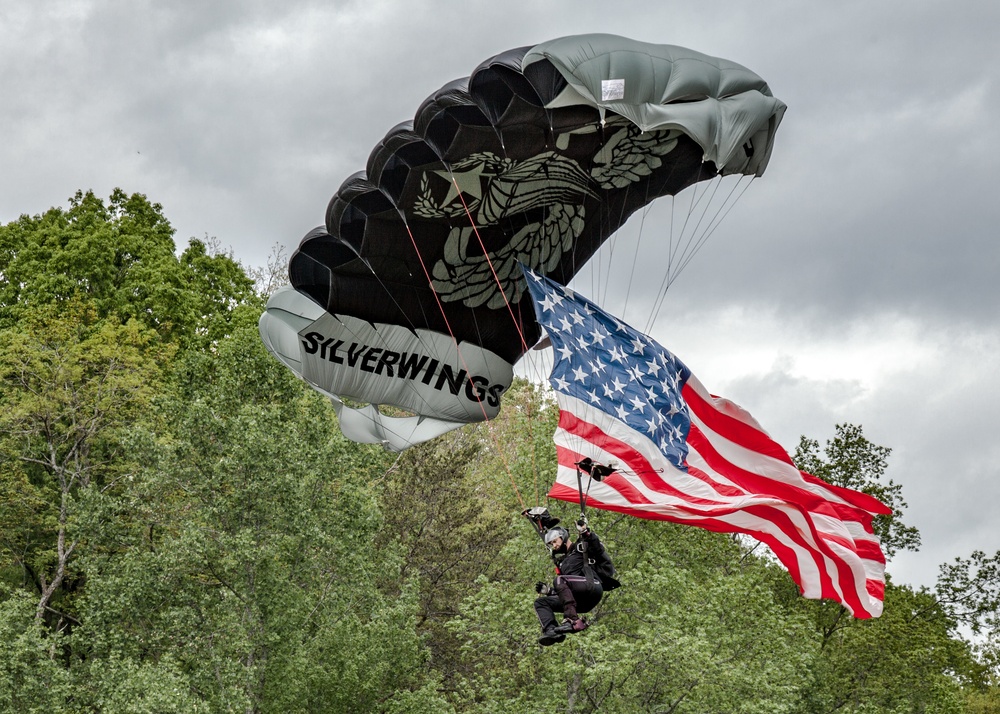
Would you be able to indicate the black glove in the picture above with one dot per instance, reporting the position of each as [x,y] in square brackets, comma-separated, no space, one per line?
[581,525]
[542,588]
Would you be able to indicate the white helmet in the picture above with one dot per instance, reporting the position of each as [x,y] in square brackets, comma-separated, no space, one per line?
[553,533]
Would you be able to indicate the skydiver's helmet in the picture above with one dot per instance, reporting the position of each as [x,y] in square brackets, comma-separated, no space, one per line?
[553,533]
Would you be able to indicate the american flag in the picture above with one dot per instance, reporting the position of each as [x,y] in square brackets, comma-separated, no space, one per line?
[687,456]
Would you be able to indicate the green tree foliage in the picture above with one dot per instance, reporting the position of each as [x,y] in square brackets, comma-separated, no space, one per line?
[906,660]
[119,257]
[70,385]
[184,529]
[447,522]
[969,590]
[249,566]
[32,677]
[910,658]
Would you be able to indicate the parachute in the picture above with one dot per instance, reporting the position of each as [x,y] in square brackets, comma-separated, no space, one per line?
[412,294]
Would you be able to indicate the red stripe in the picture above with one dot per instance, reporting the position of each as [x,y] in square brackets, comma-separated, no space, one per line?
[876,588]
[856,498]
[736,430]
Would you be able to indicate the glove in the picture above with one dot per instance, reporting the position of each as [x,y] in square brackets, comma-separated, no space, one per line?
[581,525]
[543,589]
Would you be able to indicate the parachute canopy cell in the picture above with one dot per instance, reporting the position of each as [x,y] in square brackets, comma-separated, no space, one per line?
[412,295]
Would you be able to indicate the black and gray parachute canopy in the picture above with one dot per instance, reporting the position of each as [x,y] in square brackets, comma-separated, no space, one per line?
[412,294]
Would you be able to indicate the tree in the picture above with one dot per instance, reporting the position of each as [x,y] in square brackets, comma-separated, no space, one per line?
[247,572]
[969,591]
[32,678]
[448,518]
[907,660]
[120,258]
[71,385]
[910,658]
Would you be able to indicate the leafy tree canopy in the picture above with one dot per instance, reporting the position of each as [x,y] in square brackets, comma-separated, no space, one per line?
[120,257]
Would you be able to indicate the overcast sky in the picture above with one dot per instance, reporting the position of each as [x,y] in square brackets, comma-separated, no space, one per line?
[854,282]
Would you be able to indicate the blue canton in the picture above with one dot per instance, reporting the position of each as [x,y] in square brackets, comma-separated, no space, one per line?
[604,362]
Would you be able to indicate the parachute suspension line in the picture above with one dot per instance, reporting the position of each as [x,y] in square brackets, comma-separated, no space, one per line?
[602,278]
[635,254]
[716,220]
[496,278]
[727,205]
[675,247]
[694,240]
[517,326]
[682,256]
[451,332]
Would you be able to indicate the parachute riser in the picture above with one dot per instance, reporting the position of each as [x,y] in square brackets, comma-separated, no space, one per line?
[595,472]
[579,489]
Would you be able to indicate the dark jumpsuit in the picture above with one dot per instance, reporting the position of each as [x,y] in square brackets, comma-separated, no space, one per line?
[578,588]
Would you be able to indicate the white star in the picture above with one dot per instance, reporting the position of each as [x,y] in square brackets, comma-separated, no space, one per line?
[650,427]
[565,352]
[619,386]
[651,394]
[565,324]
[577,317]
[579,374]
[582,342]
[599,334]
[638,405]
[638,346]
[654,368]
[555,297]
[617,355]
[594,399]
[561,384]
[597,366]
[548,302]
[622,412]
[634,372]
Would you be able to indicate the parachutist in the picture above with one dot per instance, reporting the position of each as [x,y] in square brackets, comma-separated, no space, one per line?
[584,572]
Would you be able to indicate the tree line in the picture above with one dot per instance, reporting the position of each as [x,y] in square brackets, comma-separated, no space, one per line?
[184,529]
